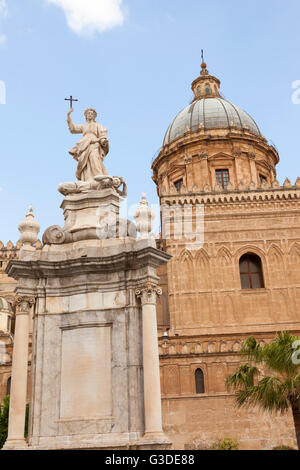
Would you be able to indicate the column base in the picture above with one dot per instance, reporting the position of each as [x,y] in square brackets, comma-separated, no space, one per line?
[15,444]
[152,441]
[155,436]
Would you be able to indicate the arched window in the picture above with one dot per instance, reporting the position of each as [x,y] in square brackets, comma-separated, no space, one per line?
[251,272]
[199,91]
[199,381]
[8,385]
[207,90]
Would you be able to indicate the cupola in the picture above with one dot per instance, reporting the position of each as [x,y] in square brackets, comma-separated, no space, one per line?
[206,85]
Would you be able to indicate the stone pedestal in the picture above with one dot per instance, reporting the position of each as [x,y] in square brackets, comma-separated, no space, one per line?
[91,339]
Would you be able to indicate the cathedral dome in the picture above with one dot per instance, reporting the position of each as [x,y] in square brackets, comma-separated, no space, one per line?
[210,113]
[213,145]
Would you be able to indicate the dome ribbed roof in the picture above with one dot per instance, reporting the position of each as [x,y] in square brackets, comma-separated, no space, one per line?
[210,113]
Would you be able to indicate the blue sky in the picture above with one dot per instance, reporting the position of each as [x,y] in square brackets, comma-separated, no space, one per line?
[134,61]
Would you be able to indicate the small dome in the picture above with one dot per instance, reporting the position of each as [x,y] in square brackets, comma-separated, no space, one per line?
[210,113]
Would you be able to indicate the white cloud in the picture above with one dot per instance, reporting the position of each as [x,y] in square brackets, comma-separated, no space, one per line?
[3,14]
[87,17]
[3,9]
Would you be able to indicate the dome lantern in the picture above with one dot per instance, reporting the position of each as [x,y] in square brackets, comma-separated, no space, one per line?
[206,85]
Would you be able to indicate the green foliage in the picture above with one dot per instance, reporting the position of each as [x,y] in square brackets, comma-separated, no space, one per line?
[4,412]
[277,391]
[274,388]
[226,444]
[283,448]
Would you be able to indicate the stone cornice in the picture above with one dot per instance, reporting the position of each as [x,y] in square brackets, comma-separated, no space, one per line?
[231,197]
[36,269]
[214,345]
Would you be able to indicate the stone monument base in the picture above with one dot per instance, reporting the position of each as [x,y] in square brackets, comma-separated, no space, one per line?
[93,444]
[95,381]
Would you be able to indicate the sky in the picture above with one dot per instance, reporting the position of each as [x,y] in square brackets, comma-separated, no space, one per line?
[134,61]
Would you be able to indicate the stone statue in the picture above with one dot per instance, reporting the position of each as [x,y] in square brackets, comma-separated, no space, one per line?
[91,150]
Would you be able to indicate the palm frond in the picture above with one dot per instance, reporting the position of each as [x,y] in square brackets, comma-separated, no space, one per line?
[243,378]
[252,350]
[269,395]
[278,355]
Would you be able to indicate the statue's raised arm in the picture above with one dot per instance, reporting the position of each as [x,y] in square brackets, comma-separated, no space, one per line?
[91,150]
[73,128]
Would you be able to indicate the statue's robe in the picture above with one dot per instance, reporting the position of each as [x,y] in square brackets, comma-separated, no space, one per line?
[90,151]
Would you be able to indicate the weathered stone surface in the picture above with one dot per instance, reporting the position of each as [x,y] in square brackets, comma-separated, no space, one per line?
[87,371]
[203,306]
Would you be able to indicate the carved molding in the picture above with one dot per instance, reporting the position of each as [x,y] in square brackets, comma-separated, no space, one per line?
[205,348]
[188,159]
[148,293]
[23,303]
[203,155]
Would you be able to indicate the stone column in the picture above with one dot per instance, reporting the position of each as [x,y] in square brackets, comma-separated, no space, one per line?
[18,392]
[152,394]
[253,168]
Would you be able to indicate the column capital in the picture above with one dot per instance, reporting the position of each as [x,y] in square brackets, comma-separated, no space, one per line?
[148,293]
[23,304]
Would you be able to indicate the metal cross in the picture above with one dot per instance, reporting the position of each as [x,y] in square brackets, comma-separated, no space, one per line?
[202,55]
[71,99]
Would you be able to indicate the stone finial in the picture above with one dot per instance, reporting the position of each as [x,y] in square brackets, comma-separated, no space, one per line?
[204,71]
[241,186]
[207,188]
[144,217]
[297,184]
[29,229]
[265,185]
[287,183]
[218,187]
[275,184]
